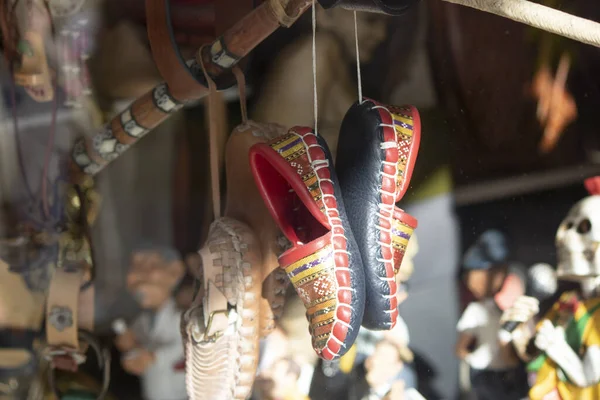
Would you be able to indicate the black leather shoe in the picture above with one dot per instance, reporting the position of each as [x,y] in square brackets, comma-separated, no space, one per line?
[377,150]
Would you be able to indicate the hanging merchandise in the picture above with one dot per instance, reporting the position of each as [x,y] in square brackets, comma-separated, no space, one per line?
[567,336]
[377,151]
[69,322]
[221,329]
[30,63]
[295,176]
[297,180]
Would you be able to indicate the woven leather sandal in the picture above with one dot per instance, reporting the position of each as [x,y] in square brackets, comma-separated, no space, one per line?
[221,328]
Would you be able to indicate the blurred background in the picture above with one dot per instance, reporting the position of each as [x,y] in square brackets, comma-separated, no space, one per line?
[509,133]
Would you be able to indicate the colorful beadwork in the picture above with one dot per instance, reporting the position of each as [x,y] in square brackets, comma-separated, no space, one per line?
[404,125]
[291,146]
[313,278]
[401,233]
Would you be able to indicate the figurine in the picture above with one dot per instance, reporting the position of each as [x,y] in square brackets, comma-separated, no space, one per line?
[152,347]
[495,370]
[385,369]
[388,370]
[289,342]
[568,336]
[280,381]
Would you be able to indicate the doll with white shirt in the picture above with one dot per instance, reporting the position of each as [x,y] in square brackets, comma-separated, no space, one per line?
[495,370]
[152,347]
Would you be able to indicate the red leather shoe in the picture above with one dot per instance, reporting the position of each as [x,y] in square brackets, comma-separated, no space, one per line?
[295,176]
[377,150]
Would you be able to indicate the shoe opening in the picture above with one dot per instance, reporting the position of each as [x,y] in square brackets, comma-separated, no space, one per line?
[295,219]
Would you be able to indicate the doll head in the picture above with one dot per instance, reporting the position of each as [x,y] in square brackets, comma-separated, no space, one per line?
[383,364]
[154,273]
[578,237]
[279,380]
[485,264]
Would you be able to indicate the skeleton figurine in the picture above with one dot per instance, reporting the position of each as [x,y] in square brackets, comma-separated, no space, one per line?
[567,339]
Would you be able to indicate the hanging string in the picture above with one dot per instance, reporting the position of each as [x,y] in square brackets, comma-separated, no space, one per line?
[314,62]
[360,97]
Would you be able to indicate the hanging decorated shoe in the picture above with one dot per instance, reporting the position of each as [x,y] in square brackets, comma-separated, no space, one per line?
[377,150]
[221,328]
[295,176]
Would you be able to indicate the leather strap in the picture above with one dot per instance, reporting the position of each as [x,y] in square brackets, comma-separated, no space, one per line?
[213,133]
[215,302]
[62,308]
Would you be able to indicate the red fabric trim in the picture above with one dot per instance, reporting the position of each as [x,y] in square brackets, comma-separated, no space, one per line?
[593,185]
[403,216]
[388,185]
[294,254]
[412,157]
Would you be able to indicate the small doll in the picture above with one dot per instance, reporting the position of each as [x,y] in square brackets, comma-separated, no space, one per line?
[564,347]
[279,381]
[386,372]
[495,370]
[152,347]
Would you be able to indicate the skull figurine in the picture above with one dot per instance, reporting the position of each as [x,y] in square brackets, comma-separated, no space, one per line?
[577,241]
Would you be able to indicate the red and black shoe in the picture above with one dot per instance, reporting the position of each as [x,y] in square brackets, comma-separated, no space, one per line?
[377,150]
[295,176]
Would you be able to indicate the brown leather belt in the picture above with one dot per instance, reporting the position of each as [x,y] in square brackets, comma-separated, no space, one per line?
[90,155]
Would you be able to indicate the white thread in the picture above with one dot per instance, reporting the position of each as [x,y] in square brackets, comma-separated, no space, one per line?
[341,251]
[338,341]
[389,163]
[360,97]
[347,325]
[314,61]
[387,125]
[388,145]
[319,162]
